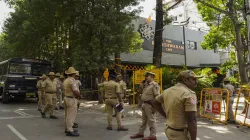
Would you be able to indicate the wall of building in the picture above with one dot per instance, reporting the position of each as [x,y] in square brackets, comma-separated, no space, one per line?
[188,9]
[196,57]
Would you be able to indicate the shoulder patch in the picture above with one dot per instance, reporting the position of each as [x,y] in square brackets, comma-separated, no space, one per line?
[193,100]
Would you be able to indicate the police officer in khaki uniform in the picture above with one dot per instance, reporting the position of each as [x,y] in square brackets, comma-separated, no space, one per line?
[50,88]
[139,93]
[123,87]
[231,90]
[180,104]
[79,85]
[101,93]
[57,78]
[41,101]
[71,94]
[150,91]
[113,98]
[60,91]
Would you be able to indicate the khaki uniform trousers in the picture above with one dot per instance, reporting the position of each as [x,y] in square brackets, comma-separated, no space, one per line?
[139,101]
[70,105]
[110,105]
[177,135]
[230,109]
[59,97]
[148,118]
[41,102]
[51,100]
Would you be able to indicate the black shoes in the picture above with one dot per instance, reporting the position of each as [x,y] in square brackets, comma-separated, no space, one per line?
[75,125]
[61,107]
[53,117]
[43,115]
[109,128]
[75,130]
[72,134]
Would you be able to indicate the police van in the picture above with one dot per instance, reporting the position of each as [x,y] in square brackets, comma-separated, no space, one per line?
[18,77]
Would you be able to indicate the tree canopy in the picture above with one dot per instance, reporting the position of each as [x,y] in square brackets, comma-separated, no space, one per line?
[82,33]
[227,21]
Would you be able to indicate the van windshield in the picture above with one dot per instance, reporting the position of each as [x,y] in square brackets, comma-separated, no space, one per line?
[17,68]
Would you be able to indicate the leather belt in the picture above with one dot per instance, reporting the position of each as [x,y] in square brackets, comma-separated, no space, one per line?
[175,129]
[69,96]
[51,92]
[147,102]
[111,98]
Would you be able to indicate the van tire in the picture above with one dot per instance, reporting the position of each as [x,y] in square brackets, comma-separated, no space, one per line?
[5,98]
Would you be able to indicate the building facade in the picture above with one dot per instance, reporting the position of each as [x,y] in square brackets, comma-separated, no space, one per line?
[187,9]
[173,48]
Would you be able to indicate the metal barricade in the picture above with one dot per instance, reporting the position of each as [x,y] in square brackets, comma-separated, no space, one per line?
[214,104]
[242,110]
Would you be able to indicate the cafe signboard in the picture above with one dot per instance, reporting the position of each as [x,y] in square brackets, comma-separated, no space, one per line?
[168,46]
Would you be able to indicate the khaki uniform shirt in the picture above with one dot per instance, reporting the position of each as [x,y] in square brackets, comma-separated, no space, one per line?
[111,88]
[177,100]
[79,84]
[101,88]
[70,86]
[150,91]
[50,86]
[230,88]
[60,87]
[39,85]
[123,86]
[140,88]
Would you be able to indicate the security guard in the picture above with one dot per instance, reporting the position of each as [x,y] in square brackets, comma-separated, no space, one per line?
[60,91]
[231,90]
[50,88]
[113,98]
[180,104]
[41,100]
[79,85]
[71,94]
[123,87]
[150,91]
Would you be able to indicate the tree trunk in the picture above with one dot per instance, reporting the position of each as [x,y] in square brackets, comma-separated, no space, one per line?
[118,63]
[240,54]
[158,34]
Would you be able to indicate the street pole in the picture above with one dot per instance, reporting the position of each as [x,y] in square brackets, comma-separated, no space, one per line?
[247,10]
[184,43]
[247,2]
[183,23]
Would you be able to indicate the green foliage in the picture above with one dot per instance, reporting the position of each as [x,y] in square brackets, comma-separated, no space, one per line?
[169,76]
[80,33]
[227,28]
[166,18]
[207,80]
